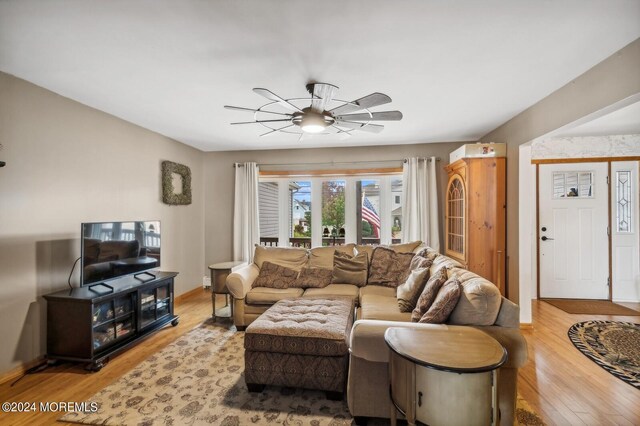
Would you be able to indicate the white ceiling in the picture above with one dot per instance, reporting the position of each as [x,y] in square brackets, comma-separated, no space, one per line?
[625,121]
[455,69]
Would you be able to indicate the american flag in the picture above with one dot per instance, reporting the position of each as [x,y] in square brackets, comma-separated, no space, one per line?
[369,214]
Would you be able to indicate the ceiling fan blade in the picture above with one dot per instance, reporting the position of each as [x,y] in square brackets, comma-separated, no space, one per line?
[342,134]
[254,110]
[273,97]
[375,116]
[322,94]
[368,101]
[260,121]
[275,130]
[372,128]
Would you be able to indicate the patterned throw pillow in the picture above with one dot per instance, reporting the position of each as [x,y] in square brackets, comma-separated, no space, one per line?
[313,278]
[428,252]
[388,268]
[444,304]
[350,270]
[409,292]
[429,294]
[275,276]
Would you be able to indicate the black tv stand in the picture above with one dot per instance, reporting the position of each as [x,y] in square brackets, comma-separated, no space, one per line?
[153,276]
[85,325]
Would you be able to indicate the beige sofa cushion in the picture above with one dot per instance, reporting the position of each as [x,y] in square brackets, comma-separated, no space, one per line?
[293,258]
[269,296]
[378,307]
[349,270]
[376,290]
[479,302]
[365,249]
[348,290]
[322,257]
[440,260]
[275,276]
[405,247]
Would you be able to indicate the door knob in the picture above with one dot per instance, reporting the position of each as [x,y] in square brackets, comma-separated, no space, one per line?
[545,238]
[544,228]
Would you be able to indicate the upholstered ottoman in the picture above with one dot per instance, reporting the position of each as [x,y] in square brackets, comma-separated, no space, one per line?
[303,343]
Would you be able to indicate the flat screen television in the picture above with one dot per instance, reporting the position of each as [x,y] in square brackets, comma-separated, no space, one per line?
[114,249]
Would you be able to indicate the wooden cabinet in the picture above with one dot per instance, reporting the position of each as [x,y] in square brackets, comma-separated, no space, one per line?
[475,216]
[89,324]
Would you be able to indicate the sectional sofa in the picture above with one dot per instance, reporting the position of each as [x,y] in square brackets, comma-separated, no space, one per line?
[480,306]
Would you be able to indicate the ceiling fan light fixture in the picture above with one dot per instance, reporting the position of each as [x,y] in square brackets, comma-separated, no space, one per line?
[312,122]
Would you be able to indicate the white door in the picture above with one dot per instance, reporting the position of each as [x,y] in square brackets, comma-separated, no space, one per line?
[574,245]
[625,279]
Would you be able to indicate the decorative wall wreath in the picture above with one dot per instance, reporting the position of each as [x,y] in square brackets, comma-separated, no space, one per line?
[169,168]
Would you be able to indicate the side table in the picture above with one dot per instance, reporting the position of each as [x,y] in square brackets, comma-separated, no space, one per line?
[444,376]
[219,273]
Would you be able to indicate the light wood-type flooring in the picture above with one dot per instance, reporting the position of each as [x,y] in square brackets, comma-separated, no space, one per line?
[565,387]
[560,383]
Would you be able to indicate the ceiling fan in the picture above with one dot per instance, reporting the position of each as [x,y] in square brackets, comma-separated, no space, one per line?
[324,115]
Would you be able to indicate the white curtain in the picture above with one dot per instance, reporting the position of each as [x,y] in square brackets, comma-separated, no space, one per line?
[246,224]
[420,202]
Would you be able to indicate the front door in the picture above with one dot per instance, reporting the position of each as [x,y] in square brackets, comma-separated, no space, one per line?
[573,219]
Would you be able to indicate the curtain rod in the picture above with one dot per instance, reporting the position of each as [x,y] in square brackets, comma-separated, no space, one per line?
[332,163]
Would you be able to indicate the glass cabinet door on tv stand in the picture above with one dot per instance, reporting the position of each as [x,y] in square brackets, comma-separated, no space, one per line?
[155,304]
[113,320]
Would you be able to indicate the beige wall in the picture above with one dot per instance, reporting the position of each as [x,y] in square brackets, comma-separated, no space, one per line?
[219,178]
[66,164]
[614,79]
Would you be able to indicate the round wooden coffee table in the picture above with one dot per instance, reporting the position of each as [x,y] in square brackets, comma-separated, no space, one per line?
[444,375]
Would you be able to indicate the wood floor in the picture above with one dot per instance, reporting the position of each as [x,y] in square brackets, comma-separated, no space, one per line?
[560,383]
[565,387]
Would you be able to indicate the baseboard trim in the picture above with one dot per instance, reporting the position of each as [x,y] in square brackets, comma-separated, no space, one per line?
[526,326]
[188,294]
[20,370]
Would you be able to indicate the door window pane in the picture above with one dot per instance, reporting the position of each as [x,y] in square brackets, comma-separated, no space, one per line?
[333,212]
[369,211]
[396,211]
[300,218]
[572,185]
[268,212]
[623,201]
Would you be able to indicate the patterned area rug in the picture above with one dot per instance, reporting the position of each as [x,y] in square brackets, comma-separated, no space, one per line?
[198,380]
[613,345]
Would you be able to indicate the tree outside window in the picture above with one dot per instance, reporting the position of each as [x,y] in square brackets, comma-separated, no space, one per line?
[333,205]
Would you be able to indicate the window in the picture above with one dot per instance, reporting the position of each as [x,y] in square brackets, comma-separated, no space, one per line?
[573,185]
[316,210]
[370,222]
[300,213]
[396,211]
[268,212]
[623,201]
[333,213]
